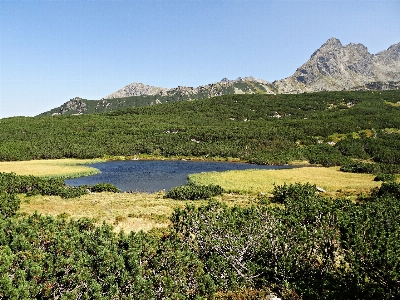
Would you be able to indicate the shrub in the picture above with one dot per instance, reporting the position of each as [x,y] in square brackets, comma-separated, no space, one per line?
[325,155]
[385,177]
[370,168]
[352,147]
[194,192]
[371,247]
[104,187]
[360,167]
[72,191]
[295,191]
[9,204]
[389,189]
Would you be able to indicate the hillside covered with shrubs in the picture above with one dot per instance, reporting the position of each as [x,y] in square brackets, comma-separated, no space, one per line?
[328,128]
[304,247]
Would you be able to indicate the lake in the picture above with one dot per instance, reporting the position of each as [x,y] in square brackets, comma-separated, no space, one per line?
[156,175]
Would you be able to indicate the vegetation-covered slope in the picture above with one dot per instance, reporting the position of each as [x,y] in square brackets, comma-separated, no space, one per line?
[326,128]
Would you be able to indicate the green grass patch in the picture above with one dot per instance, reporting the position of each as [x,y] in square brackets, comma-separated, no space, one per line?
[262,181]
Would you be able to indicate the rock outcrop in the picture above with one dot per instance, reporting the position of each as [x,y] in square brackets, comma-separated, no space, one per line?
[136,89]
[75,105]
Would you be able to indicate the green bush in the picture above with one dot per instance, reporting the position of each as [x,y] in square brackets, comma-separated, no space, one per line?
[9,205]
[385,177]
[389,189]
[352,147]
[370,168]
[360,167]
[370,241]
[295,191]
[194,192]
[315,247]
[31,185]
[104,187]
[325,155]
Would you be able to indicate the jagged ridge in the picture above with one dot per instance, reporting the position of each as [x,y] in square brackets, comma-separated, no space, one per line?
[334,67]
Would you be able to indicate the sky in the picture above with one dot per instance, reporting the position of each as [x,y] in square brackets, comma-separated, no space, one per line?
[52,51]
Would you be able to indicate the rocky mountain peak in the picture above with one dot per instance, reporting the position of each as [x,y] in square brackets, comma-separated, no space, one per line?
[329,46]
[335,67]
[393,52]
[136,89]
[387,64]
[332,43]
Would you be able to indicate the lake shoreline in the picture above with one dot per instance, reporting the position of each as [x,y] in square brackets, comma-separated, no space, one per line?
[150,175]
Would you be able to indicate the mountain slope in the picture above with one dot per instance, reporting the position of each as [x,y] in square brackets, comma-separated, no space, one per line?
[333,67]
[136,89]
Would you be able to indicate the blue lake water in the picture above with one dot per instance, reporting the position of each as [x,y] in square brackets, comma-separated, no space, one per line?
[155,175]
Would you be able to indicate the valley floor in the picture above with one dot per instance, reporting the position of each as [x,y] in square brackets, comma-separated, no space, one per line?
[142,211]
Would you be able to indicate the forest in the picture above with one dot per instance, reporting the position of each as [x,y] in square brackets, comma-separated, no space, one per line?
[295,244]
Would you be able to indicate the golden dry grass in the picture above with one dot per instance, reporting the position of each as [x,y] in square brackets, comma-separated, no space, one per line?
[255,181]
[52,167]
[125,211]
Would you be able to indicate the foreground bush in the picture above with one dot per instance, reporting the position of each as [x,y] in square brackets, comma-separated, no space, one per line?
[47,258]
[310,247]
[32,185]
[194,192]
[295,191]
[389,189]
[9,205]
[315,247]
[104,187]
[385,177]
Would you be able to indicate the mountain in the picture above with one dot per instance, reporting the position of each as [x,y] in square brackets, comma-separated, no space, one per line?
[333,67]
[138,94]
[136,89]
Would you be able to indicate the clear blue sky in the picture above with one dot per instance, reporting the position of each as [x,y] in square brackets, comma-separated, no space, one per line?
[51,51]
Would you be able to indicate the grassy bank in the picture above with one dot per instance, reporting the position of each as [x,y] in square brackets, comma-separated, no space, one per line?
[65,168]
[330,179]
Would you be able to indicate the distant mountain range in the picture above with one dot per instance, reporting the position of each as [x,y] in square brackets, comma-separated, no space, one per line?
[333,67]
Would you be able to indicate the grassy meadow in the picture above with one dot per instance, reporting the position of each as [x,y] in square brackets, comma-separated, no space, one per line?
[66,168]
[333,181]
[125,211]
